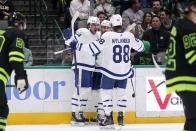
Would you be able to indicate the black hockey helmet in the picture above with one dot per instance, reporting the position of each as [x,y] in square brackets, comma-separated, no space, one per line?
[186,4]
[16,18]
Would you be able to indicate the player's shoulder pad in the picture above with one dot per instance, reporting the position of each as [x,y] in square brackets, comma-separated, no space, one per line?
[10,33]
[106,34]
[82,31]
[129,33]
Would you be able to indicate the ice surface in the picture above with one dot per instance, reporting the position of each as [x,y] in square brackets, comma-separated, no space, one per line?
[66,127]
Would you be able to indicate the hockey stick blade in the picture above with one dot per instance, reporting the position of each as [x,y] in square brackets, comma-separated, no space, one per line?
[156,65]
[74,18]
[61,51]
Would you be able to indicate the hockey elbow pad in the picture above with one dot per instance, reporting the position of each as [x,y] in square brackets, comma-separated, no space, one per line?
[21,82]
[146,46]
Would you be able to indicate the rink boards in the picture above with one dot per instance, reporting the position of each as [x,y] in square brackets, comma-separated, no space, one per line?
[47,101]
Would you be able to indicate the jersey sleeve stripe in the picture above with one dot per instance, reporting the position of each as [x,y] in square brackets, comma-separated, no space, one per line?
[75,38]
[85,65]
[80,47]
[181,78]
[91,49]
[141,48]
[191,56]
[96,47]
[192,60]
[16,59]
[112,73]
[3,78]
[3,121]
[16,53]
[4,73]
[2,42]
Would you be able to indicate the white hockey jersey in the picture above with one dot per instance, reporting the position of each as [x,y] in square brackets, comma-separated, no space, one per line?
[113,51]
[84,60]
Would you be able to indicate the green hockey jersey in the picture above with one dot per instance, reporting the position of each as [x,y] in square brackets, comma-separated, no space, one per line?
[181,57]
[11,53]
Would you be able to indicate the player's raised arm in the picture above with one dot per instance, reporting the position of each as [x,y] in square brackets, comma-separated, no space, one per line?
[139,45]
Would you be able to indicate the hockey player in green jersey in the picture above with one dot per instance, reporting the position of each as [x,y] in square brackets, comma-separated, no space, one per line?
[181,63]
[11,58]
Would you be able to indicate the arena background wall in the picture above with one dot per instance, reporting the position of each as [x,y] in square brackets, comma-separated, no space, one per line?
[47,101]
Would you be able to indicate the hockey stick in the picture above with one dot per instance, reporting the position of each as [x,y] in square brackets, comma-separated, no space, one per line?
[76,15]
[73,20]
[61,51]
[133,95]
[156,65]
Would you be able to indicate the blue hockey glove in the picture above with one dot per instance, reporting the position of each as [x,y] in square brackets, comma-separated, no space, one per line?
[73,45]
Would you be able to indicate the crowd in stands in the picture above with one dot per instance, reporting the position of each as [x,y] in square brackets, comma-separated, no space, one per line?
[152,21]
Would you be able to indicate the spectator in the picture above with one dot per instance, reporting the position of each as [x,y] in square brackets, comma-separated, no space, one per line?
[120,5]
[166,20]
[61,5]
[65,17]
[173,6]
[136,29]
[28,60]
[83,6]
[162,15]
[6,8]
[104,6]
[156,7]
[102,16]
[146,25]
[133,14]
[68,57]
[158,39]
[146,3]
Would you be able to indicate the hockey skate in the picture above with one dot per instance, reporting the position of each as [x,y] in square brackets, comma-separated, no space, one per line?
[120,120]
[93,121]
[78,119]
[107,122]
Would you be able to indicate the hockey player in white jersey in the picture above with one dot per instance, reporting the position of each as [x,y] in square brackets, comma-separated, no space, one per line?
[113,52]
[105,27]
[85,65]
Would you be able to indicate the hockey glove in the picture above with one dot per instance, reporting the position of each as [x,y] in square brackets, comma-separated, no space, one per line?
[21,82]
[73,45]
